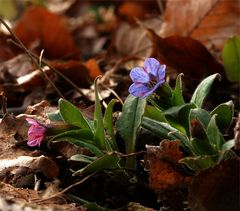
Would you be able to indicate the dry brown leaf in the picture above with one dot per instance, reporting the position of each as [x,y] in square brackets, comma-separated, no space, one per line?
[93,68]
[186,55]
[217,188]
[43,164]
[210,22]
[132,40]
[164,168]
[39,25]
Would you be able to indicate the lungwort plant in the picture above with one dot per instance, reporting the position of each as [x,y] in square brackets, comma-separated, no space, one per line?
[167,115]
[157,107]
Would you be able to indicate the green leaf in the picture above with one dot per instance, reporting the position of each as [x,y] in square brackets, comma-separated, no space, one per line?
[201,114]
[72,115]
[202,147]
[231,58]
[83,158]
[55,116]
[224,113]
[82,143]
[214,135]
[154,113]
[165,92]
[108,123]
[107,161]
[181,114]
[91,206]
[165,131]
[82,134]
[129,122]
[177,97]
[99,135]
[228,145]
[200,163]
[203,89]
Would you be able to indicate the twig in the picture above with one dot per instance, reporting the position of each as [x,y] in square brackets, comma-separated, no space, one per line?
[43,61]
[160,5]
[64,190]
[3,101]
[30,56]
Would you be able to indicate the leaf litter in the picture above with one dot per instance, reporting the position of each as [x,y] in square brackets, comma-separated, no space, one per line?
[81,41]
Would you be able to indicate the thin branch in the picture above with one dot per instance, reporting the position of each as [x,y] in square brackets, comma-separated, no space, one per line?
[64,190]
[44,61]
[30,56]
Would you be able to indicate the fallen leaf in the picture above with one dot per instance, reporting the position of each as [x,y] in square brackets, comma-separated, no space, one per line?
[186,55]
[43,164]
[131,10]
[165,171]
[132,40]
[216,189]
[210,22]
[39,25]
[93,68]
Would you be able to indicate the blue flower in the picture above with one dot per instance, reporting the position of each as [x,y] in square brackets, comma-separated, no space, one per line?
[147,79]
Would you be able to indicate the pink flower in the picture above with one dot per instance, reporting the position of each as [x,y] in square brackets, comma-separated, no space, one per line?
[36,133]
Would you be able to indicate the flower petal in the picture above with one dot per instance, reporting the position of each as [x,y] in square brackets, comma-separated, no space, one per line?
[139,90]
[152,66]
[161,73]
[35,142]
[138,75]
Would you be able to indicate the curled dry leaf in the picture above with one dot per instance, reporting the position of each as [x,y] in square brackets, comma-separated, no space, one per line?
[164,168]
[210,22]
[49,29]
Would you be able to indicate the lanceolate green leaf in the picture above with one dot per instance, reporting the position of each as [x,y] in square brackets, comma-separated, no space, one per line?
[200,163]
[82,143]
[99,135]
[203,89]
[164,130]
[82,134]
[83,158]
[231,58]
[202,115]
[107,161]
[72,115]
[177,97]
[129,122]
[214,135]
[154,113]
[55,116]
[224,113]
[108,122]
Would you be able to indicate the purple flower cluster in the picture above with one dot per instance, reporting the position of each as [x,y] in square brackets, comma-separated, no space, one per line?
[147,79]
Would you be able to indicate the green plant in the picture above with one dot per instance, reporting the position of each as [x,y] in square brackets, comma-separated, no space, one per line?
[200,131]
[97,135]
